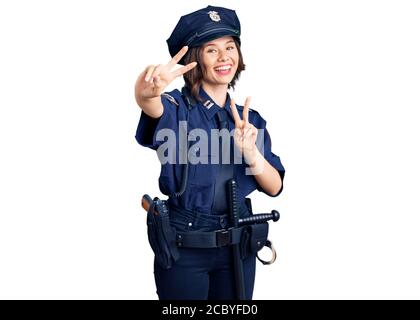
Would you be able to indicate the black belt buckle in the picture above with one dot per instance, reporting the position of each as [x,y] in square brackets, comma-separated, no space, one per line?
[222,238]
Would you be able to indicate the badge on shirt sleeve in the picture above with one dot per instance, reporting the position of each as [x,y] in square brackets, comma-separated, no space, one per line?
[214,16]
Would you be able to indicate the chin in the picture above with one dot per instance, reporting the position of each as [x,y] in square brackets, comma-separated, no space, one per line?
[224,81]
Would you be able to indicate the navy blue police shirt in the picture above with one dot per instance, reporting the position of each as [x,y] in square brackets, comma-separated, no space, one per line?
[200,190]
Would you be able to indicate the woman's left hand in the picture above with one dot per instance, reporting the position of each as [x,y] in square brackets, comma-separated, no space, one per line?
[245,134]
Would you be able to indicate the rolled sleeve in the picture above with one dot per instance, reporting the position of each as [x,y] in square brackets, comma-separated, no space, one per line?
[148,127]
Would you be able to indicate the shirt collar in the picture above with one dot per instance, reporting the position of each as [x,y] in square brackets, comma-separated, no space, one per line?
[210,107]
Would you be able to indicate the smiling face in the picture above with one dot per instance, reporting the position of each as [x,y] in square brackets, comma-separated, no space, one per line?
[220,59]
[207,72]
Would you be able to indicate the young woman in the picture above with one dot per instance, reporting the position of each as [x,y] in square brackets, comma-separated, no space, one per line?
[207,42]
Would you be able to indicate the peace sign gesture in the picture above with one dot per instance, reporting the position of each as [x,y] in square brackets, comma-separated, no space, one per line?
[245,134]
[154,79]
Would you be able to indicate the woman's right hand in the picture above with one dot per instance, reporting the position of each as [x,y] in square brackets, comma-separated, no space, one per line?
[154,79]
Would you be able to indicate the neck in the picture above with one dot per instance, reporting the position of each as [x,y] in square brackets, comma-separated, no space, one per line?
[217,93]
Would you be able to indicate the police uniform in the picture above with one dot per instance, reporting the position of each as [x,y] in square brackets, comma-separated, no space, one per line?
[202,273]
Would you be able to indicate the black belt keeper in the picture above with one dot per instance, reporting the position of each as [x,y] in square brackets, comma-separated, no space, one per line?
[209,239]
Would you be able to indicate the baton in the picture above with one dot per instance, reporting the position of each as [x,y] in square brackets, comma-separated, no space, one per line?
[260,218]
[237,261]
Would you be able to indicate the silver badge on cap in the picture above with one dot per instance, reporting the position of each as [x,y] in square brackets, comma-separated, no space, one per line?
[214,16]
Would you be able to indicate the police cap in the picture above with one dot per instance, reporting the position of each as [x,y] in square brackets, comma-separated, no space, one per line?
[203,25]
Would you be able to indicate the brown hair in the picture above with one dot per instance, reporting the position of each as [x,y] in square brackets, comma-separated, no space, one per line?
[194,77]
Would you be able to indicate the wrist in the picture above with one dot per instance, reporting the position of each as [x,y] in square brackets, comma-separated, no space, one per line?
[253,160]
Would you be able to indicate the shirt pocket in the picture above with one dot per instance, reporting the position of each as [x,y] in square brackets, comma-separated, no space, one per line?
[202,173]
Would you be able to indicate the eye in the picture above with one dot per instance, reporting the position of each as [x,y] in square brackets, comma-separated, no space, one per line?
[211,50]
[230,48]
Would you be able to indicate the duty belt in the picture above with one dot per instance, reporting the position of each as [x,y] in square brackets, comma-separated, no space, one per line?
[209,239]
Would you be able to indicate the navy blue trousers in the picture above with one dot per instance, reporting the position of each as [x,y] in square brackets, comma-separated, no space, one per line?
[202,274]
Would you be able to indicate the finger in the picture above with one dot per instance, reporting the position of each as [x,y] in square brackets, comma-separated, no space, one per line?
[149,71]
[236,117]
[238,135]
[254,131]
[157,70]
[249,132]
[156,81]
[178,56]
[246,110]
[185,69]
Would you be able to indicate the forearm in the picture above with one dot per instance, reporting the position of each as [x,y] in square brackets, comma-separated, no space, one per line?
[266,175]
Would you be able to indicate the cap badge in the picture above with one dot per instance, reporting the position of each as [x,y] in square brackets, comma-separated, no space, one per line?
[214,16]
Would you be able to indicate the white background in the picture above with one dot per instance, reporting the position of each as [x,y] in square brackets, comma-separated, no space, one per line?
[337,81]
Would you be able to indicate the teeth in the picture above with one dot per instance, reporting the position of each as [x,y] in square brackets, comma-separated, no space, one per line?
[224,68]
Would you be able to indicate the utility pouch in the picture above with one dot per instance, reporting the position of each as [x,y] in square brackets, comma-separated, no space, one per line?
[253,239]
[161,235]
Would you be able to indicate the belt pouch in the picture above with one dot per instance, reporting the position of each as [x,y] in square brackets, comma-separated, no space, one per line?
[253,239]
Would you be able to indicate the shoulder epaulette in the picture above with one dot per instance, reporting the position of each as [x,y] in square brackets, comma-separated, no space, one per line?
[170,98]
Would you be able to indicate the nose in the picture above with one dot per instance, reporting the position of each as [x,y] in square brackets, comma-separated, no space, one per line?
[223,57]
